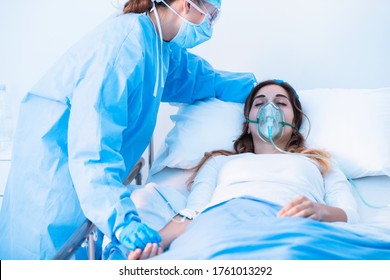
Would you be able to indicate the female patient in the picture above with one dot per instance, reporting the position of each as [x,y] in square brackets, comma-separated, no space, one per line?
[270,173]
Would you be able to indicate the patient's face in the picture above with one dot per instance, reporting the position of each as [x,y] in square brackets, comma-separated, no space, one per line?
[277,95]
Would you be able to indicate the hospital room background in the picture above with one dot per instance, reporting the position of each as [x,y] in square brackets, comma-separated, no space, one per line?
[329,44]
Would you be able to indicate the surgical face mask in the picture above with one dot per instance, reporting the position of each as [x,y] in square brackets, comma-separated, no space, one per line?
[191,34]
[270,122]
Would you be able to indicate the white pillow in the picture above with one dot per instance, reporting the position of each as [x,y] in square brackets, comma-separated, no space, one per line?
[201,127]
[352,124]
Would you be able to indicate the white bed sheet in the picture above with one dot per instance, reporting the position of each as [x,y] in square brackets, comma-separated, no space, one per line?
[157,207]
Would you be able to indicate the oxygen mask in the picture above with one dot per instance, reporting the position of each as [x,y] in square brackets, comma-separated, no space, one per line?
[270,122]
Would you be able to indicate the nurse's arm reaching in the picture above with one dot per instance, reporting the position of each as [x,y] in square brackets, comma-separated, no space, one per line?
[191,78]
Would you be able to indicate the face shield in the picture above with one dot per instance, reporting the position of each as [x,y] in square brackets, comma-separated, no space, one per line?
[211,9]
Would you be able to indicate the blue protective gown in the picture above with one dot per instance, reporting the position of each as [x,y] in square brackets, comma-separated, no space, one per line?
[85,124]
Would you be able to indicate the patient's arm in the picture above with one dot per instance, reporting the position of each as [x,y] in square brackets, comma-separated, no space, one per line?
[305,208]
[205,182]
[173,230]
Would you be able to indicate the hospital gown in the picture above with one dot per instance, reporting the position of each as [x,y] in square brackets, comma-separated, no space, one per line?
[85,124]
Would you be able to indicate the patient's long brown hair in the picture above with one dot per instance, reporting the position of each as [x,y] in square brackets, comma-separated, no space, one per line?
[296,144]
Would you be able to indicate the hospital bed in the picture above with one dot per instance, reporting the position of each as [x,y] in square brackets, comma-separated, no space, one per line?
[352,124]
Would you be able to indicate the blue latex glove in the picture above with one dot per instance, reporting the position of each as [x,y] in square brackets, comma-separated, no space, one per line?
[137,235]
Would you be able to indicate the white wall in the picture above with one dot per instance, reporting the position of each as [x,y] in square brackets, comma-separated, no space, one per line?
[33,34]
[310,43]
[327,43]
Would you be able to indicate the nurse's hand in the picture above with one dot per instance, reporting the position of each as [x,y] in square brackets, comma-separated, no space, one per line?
[137,235]
[151,250]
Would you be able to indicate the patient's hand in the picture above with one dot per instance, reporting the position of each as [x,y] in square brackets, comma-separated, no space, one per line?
[305,208]
[151,250]
[302,207]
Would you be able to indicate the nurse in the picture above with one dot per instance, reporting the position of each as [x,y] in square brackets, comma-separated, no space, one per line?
[84,125]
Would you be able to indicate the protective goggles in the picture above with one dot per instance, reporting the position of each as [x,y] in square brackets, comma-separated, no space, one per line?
[212,13]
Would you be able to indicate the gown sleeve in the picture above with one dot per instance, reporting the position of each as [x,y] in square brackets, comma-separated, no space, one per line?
[192,78]
[97,120]
[204,184]
[338,193]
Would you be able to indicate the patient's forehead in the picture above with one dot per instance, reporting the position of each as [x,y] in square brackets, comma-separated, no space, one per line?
[271,91]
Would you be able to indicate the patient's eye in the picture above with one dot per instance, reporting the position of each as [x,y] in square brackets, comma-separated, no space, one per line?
[281,102]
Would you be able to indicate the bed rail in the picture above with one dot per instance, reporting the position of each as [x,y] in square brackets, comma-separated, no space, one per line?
[83,235]
[135,174]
